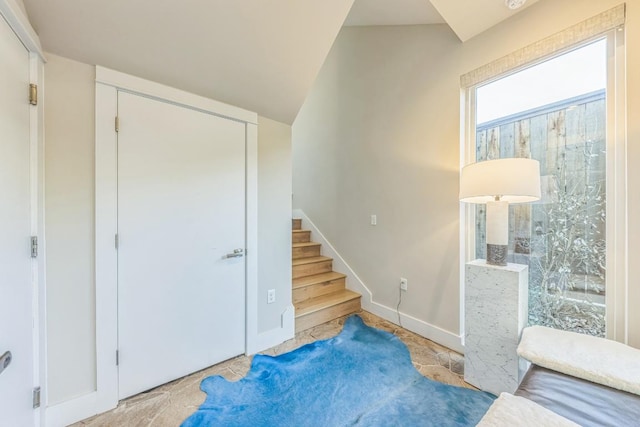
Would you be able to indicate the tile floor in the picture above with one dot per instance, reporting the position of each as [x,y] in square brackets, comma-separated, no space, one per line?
[169,404]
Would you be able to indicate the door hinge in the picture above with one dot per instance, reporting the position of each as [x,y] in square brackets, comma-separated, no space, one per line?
[116,241]
[117,124]
[34,246]
[33,94]
[117,357]
[36,397]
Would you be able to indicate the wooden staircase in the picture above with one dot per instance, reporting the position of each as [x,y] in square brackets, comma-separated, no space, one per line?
[319,293]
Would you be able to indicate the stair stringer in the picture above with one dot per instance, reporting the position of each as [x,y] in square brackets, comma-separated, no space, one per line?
[355,284]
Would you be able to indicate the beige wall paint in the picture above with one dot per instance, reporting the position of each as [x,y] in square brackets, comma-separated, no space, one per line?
[20,4]
[274,222]
[370,139]
[379,134]
[70,168]
[69,105]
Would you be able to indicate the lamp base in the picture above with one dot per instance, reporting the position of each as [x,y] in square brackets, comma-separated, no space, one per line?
[494,296]
[497,254]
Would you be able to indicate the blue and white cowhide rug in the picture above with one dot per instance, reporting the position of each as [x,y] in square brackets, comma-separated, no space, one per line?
[363,377]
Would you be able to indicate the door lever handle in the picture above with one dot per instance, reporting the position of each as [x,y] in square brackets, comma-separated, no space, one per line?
[5,360]
[237,253]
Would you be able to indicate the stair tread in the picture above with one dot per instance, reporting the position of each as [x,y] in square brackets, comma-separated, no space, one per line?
[299,231]
[304,244]
[310,260]
[301,282]
[318,303]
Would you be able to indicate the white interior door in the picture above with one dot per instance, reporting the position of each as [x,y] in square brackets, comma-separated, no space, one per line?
[181,209]
[16,293]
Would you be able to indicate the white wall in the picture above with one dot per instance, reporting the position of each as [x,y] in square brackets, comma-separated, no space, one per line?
[274,222]
[379,134]
[69,133]
[69,105]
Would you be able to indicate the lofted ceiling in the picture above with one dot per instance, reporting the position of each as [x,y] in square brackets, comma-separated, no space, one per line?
[468,18]
[259,55]
[395,12]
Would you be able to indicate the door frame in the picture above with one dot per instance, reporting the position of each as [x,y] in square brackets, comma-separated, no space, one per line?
[108,83]
[19,23]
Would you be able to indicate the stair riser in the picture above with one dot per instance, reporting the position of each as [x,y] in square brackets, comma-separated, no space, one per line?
[313,319]
[301,237]
[310,269]
[296,223]
[305,252]
[318,289]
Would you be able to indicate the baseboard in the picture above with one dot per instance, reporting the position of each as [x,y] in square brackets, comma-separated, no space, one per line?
[83,407]
[71,411]
[354,283]
[420,327]
[273,337]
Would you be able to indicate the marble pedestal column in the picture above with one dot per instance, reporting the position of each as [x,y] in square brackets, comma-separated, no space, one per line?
[496,306]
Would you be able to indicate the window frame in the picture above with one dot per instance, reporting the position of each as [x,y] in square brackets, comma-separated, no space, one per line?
[616,297]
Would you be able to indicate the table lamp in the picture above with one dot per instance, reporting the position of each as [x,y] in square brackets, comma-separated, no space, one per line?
[498,183]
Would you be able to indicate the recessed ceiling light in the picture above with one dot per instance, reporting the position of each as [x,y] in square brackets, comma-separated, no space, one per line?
[514,4]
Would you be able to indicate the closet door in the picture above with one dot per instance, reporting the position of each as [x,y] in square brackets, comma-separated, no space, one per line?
[181,211]
[16,293]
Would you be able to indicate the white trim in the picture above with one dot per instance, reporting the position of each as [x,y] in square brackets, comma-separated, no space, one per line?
[467,211]
[355,284]
[106,258]
[108,83]
[72,411]
[251,235]
[36,122]
[617,301]
[20,24]
[166,93]
[420,327]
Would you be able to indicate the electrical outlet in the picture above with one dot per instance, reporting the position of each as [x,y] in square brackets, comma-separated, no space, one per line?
[374,219]
[403,284]
[271,296]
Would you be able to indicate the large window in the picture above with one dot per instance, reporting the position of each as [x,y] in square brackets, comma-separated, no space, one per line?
[555,113]
[561,112]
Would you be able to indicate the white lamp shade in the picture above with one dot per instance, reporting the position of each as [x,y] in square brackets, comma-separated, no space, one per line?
[514,180]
